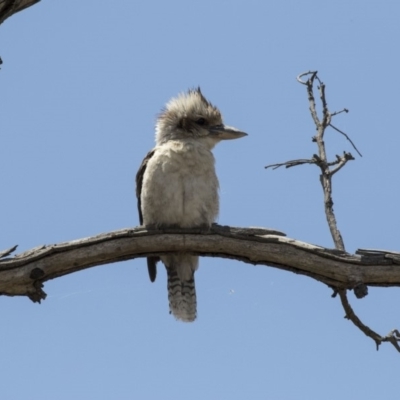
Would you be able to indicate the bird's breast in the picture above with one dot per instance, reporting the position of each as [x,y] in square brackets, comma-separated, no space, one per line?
[180,187]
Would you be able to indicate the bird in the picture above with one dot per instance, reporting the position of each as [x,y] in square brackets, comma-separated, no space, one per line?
[177,187]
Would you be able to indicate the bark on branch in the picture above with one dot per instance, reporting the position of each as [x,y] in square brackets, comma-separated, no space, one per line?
[24,274]
[10,7]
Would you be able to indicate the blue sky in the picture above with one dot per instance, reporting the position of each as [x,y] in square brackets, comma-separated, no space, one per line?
[81,86]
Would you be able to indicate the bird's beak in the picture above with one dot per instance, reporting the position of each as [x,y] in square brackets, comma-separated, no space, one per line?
[225,132]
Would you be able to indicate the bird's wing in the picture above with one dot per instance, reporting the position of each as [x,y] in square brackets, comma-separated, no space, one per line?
[151,261]
[139,182]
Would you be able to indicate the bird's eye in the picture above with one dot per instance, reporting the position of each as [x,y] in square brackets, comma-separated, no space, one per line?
[201,121]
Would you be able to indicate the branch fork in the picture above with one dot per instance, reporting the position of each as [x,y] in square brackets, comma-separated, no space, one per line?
[327,170]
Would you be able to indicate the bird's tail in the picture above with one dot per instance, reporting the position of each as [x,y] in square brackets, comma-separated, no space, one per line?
[181,288]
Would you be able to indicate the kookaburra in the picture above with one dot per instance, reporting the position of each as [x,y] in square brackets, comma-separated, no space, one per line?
[176,186]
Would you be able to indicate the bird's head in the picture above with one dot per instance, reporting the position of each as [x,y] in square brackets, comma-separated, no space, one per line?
[192,116]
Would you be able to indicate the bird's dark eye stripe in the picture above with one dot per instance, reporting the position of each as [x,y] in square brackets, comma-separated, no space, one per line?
[201,121]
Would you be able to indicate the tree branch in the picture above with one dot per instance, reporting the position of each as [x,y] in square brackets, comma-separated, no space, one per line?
[5,253]
[347,137]
[393,337]
[340,162]
[10,7]
[360,288]
[345,110]
[25,273]
[292,163]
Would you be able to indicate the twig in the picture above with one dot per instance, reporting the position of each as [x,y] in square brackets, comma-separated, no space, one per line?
[393,337]
[339,112]
[5,253]
[292,163]
[298,78]
[341,162]
[347,137]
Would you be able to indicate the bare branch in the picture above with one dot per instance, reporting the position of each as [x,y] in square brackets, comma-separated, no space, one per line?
[321,159]
[24,274]
[10,7]
[393,337]
[292,163]
[326,120]
[328,169]
[326,182]
[339,112]
[298,78]
[311,99]
[341,162]
[5,253]
[326,175]
[347,137]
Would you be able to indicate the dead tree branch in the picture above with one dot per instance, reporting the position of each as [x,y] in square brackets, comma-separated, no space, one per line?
[5,253]
[328,169]
[340,162]
[10,7]
[345,135]
[292,163]
[392,337]
[321,159]
[326,173]
[25,274]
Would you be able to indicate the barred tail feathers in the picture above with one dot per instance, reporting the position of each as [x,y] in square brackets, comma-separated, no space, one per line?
[181,286]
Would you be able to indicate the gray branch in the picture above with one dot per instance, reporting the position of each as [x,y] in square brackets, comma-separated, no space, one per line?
[328,169]
[346,136]
[292,163]
[393,337]
[10,7]
[25,274]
